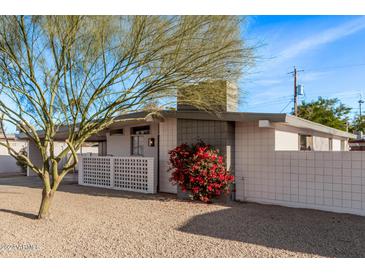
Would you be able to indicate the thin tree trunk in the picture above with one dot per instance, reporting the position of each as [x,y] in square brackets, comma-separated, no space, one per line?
[47,197]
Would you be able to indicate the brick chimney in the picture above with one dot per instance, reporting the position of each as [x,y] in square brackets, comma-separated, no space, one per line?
[222,94]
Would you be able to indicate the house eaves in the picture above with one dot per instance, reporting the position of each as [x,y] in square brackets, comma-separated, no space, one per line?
[302,123]
[143,117]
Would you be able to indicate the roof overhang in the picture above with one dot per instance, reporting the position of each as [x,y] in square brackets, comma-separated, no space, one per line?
[202,115]
[302,123]
[145,117]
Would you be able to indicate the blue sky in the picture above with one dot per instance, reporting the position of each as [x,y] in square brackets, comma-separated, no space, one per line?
[330,50]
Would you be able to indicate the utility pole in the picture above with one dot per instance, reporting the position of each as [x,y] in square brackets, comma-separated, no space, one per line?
[295,93]
[295,73]
[360,103]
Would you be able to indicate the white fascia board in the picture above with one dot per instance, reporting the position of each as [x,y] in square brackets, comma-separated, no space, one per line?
[302,123]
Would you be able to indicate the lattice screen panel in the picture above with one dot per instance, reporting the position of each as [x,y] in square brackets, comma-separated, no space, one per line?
[96,171]
[122,173]
[132,174]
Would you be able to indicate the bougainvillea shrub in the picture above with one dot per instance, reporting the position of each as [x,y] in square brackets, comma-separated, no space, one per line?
[199,169]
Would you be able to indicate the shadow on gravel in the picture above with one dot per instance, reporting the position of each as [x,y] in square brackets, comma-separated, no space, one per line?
[103,192]
[70,185]
[23,181]
[18,213]
[298,230]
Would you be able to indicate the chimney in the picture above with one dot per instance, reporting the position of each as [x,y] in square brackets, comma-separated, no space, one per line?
[220,95]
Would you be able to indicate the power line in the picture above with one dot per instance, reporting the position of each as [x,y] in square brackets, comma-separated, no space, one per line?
[265,101]
[336,67]
[281,77]
[346,95]
[286,106]
[283,100]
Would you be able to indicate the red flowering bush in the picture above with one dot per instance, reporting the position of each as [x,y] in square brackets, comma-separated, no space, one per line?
[200,169]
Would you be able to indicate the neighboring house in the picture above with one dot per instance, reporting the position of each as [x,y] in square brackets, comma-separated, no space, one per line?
[276,158]
[357,145]
[8,163]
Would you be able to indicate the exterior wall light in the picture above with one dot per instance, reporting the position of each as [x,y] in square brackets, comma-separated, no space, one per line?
[151,142]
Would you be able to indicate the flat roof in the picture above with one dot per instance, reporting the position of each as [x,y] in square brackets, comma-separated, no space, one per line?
[204,115]
[143,117]
[246,117]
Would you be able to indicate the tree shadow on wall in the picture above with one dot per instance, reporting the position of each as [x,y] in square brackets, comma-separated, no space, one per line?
[298,230]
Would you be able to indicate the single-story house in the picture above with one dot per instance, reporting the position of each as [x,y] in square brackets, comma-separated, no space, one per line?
[357,145]
[278,132]
[276,158]
[152,138]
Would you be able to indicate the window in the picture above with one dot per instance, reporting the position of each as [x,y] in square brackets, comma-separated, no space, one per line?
[137,145]
[138,138]
[305,142]
[140,130]
[116,132]
[330,144]
[342,145]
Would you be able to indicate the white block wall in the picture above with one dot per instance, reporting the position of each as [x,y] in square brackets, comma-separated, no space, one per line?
[252,145]
[7,162]
[168,141]
[332,181]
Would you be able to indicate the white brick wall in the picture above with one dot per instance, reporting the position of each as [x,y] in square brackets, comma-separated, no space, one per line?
[333,181]
[252,145]
[7,162]
[168,141]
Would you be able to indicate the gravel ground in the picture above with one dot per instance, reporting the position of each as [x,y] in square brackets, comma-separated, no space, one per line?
[92,222]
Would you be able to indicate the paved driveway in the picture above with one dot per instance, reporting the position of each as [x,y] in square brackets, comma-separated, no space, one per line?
[92,222]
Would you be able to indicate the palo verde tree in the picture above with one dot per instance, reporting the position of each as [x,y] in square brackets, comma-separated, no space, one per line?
[328,112]
[76,73]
